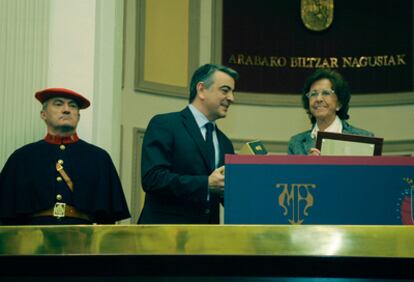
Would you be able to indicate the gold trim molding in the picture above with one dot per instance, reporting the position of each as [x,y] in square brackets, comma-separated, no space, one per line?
[193,54]
[269,240]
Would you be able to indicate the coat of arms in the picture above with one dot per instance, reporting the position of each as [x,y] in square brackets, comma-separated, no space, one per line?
[317,15]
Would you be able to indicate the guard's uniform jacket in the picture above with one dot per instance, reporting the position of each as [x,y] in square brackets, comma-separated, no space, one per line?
[32,189]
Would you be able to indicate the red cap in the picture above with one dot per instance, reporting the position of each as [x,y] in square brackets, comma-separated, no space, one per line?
[48,93]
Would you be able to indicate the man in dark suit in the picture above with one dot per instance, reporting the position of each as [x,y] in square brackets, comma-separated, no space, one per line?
[183,154]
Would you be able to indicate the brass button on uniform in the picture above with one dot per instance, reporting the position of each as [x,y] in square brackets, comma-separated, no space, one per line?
[60,161]
[59,197]
[58,179]
[62,147]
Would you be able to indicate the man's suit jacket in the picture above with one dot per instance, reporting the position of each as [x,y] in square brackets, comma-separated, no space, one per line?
[175,170]
[301,143]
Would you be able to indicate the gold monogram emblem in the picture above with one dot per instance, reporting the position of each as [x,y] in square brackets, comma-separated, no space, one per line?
[295,199]
[317,15]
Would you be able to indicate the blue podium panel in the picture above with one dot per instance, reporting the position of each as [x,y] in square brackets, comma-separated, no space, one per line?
[319,190]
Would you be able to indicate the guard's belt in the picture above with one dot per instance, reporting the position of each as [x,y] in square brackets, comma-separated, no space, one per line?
[70,211]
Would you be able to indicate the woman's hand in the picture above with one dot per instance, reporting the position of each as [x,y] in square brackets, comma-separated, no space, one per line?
[314,152]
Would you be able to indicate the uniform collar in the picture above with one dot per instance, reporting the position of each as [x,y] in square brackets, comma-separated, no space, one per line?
[53,139]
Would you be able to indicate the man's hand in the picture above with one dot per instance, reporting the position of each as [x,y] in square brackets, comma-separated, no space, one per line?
[216,179]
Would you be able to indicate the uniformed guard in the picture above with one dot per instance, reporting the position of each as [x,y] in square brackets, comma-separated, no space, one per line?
[61,179]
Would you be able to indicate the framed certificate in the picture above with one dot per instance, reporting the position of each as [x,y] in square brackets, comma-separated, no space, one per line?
[337,144]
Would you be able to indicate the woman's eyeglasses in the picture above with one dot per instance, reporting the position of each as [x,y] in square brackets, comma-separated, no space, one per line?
[324,93]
